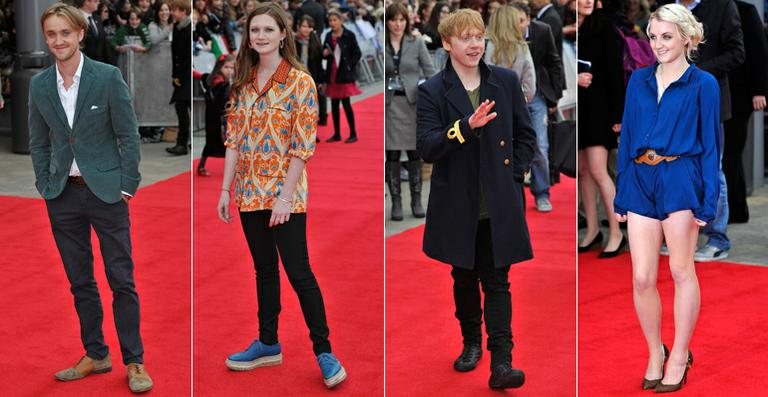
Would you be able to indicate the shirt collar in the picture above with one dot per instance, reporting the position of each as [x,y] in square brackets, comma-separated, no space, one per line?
[280,76]
[541,11]
[86,14]
[78,72]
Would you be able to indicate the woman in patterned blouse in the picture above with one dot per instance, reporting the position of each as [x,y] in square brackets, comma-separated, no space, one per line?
[271,127]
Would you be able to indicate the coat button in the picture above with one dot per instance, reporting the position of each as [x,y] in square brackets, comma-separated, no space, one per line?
[71,139]
[502,143]
[506,161]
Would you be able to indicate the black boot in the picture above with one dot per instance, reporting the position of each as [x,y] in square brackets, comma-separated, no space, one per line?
[503,376]
[414,179]
[393,182]
[468,358]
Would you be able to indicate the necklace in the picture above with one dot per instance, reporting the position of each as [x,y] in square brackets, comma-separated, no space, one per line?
[675,78]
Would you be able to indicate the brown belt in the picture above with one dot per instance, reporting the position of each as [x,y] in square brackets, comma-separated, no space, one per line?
[650,157]
[76,180]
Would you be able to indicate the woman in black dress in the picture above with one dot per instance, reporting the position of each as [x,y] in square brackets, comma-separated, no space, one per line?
[601,104]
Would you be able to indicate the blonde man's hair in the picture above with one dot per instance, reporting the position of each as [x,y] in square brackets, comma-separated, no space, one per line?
[73,16]
[460,21]
[687,25]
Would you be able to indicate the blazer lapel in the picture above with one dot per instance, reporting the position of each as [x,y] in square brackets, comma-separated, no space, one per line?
[53,95]
[86,81]
[488,83]
[456,94]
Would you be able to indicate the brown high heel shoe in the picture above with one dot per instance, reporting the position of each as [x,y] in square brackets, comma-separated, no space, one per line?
[662,388]
[649,384]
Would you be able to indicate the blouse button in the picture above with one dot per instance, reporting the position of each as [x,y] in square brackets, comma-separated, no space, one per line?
[502,143]
[506,161]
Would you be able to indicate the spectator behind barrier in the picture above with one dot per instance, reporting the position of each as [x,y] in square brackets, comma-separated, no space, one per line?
[134,28]
[161,26]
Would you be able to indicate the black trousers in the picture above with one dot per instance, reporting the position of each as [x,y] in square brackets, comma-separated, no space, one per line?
[322,114]
[72,216]
[290,241]
[733,168]
[182,113]
[498,300]
[337,116]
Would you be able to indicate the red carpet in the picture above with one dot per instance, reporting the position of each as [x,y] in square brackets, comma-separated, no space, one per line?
[345,234]
[39,328]
[423,337]
[728,344]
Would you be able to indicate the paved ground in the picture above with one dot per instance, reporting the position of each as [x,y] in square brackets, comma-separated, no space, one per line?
[18,178]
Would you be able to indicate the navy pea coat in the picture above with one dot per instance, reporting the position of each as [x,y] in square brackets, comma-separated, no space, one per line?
[495,157]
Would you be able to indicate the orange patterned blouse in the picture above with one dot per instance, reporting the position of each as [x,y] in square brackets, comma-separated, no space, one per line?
[268,128]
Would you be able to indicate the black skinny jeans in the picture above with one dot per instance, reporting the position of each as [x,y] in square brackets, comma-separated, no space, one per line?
[290,240]
[498,300]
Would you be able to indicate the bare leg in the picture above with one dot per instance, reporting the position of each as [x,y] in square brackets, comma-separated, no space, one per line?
[587,189]
[645,235]
[598,168]
[681,234]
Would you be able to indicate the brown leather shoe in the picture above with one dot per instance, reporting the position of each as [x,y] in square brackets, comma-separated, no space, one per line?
[85,367]
[138,378]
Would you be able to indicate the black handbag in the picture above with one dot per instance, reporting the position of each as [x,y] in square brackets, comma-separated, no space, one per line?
[562,146]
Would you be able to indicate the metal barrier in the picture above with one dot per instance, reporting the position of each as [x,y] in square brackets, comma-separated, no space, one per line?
[149,80]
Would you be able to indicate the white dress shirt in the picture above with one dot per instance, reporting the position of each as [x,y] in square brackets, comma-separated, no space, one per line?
[68,97]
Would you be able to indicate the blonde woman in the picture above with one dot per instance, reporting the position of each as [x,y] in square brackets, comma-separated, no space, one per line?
[667,184]
[506,47]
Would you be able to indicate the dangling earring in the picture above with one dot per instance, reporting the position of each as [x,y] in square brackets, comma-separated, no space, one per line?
[282,43]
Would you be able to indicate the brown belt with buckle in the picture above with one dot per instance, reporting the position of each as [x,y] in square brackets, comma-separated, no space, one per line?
[76,180]
[650,157]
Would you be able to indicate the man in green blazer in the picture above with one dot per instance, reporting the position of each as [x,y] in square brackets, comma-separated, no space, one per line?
[84,144]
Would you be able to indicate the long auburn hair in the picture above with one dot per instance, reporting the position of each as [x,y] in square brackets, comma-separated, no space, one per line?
[248,58]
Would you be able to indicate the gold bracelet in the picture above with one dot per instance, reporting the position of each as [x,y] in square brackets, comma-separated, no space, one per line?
[284,200]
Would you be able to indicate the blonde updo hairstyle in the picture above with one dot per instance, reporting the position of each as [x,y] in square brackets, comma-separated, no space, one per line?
[689,28]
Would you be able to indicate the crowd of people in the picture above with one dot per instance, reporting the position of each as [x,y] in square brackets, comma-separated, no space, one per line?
[330,39]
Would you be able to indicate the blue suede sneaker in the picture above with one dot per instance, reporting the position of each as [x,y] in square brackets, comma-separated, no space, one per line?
[256,355]
[333,372]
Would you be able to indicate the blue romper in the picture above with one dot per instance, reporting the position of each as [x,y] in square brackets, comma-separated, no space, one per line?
[685,123]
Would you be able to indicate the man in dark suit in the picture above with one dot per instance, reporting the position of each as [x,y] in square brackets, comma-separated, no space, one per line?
[473,126]
[549,89]
[95,46]
[181,72]
[545,11]
[84,143]
[749,88]
[720,53]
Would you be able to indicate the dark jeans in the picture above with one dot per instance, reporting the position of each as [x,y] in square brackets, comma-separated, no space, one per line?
[182,113]
[72,215]
[290,240]
[498,300]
